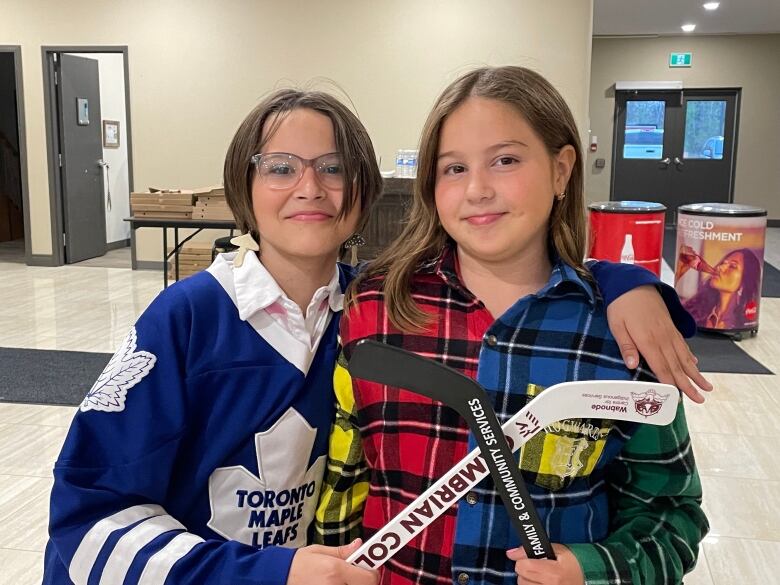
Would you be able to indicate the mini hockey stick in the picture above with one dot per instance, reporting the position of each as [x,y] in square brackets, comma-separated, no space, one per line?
[643,402]
[395,367]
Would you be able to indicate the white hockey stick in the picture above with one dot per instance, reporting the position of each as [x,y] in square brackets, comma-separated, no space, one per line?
[641,402]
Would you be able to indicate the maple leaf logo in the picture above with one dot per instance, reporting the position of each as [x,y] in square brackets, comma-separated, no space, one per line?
[276,506]
[126,368]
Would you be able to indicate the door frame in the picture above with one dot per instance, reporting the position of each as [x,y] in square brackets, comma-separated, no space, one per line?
[52,135]
[16,50]
[695,91]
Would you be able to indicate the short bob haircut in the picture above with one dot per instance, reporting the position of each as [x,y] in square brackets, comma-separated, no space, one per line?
[352,141]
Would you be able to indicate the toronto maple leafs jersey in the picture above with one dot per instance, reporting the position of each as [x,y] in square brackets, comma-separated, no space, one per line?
[198,455]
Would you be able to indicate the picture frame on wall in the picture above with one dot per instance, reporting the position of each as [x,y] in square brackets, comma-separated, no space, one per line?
[110,133]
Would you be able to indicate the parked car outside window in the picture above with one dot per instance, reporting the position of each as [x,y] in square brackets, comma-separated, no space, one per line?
[644,143]
[713,148]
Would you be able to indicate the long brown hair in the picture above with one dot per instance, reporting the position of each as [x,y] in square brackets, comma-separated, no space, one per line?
[361,171]
[423,237]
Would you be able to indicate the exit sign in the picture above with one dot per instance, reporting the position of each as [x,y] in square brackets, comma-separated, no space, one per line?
[680,59]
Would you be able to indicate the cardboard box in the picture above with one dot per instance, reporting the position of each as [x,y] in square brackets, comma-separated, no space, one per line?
[154,207]
[164,214]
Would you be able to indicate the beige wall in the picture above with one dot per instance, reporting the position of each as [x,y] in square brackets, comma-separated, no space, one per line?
[747,61]
[197,67]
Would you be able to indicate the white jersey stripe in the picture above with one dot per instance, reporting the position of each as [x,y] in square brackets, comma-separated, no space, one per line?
[161,562]
[131,544]
[84,559]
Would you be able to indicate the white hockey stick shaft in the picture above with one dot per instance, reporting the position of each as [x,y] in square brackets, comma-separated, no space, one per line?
[641,402]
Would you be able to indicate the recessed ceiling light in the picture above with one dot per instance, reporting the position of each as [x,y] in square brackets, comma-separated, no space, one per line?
[711,5]
[688,27]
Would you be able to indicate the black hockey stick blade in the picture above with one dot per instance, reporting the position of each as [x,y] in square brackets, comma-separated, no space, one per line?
[384,364]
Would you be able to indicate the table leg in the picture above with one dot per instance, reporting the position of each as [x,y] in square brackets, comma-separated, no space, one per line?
[176,251]
[165,257]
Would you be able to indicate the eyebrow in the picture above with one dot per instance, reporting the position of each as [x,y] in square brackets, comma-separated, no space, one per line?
[495,147]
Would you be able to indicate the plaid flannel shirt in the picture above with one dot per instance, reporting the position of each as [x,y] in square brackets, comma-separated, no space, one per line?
[625,498]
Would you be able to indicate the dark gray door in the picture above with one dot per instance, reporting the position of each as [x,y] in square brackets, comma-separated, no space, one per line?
[675,148]
[705,172]
[644,142]
[81,145]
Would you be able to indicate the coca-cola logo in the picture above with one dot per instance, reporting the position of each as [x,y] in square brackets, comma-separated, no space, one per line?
[751,311]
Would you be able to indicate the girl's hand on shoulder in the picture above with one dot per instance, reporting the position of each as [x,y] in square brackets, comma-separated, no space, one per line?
[564,570]
[641,324]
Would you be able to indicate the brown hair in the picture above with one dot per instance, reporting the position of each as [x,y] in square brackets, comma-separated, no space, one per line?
[423,237]
[352,141]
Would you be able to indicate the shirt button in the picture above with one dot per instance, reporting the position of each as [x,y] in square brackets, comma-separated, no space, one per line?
[491,340]
[463,578]
[471,498]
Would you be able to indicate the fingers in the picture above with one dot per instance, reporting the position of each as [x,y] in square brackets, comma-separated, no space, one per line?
[683,370]
[666,353]
[527,569]
[532,571]
[358,576]
[326,565]
[345,551]
[516,554]
[627,347]
[690,364]
[340,552]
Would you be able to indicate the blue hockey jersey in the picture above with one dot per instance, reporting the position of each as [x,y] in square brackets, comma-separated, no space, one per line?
[198,455]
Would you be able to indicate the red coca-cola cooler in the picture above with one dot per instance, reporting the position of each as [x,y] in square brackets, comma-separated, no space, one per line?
[627,231]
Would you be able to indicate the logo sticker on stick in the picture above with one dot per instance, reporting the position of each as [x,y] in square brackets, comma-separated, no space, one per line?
[649,403]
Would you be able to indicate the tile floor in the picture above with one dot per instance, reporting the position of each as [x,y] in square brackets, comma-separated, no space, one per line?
[90,309]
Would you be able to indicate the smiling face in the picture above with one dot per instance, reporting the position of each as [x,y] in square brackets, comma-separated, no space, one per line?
[728,273]
[301,222]
[495,182]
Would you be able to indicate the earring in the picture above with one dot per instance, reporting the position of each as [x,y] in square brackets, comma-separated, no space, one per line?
[245,243]
[560,196]
[353,243]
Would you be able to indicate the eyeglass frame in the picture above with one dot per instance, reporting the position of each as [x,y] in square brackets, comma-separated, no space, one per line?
[255,160]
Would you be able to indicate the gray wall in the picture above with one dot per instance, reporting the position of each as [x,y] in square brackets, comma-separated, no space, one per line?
[749,62]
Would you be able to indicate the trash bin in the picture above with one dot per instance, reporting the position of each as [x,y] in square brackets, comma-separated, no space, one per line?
[720,262]
[627,231]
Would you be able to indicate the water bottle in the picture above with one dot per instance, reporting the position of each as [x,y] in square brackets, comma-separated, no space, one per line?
[412,163]
[406,163]
[400,163]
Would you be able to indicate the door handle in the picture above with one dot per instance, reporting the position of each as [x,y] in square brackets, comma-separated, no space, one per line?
[678,162]
[665,161]
[104,166]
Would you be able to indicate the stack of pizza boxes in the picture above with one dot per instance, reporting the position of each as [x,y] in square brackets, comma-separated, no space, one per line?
[193,257]
[162,203]
[210,203]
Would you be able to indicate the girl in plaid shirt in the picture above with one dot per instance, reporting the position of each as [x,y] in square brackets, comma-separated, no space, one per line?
[488,278]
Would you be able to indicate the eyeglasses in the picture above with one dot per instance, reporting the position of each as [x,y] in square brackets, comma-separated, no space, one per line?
[282,170]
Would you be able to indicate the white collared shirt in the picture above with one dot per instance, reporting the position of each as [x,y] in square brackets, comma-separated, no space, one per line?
[256,290]
[265,306]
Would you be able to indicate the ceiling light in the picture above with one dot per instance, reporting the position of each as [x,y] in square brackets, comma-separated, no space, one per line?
[688,27]
[711,5]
